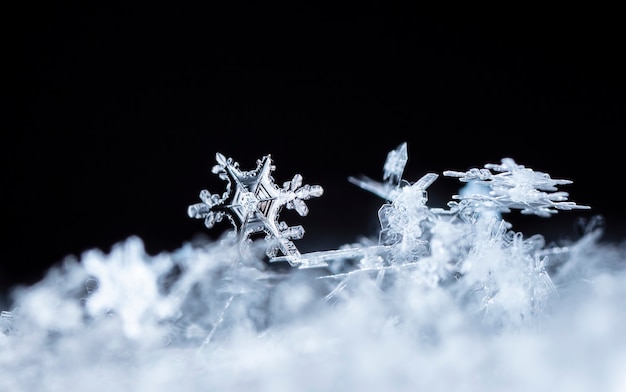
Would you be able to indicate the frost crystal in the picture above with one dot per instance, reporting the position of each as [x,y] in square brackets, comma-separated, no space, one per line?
[252,202]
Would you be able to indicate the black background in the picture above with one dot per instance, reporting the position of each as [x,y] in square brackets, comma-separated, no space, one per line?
[121,108]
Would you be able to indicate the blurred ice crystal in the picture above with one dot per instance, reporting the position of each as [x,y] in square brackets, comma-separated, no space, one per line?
[252,202]
[6,322]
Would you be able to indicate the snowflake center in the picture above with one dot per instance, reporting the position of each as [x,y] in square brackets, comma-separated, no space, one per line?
[248,201]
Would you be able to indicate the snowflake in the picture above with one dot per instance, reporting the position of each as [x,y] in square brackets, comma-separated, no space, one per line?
[252,202]
[515,186]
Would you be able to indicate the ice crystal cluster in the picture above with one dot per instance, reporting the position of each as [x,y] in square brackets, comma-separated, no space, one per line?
[439,299]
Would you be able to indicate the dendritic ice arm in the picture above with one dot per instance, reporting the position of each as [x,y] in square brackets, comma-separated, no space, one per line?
[321,258]
[253,202]
[513,186]
[392,175]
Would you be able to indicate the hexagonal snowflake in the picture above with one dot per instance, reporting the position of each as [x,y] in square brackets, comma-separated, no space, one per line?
[252,202]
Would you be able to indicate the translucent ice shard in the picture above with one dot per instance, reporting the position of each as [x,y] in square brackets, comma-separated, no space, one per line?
[394,165]
[253,202]
[392,175]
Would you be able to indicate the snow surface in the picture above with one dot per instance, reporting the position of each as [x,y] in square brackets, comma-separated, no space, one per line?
[440,301]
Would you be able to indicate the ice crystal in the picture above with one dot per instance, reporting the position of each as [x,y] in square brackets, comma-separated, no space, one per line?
[434,246]
[410,229]
[392,175]
[252,202]
[514,186]
[449,246]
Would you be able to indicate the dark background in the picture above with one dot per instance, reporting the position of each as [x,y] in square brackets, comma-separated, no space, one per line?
[120,110]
